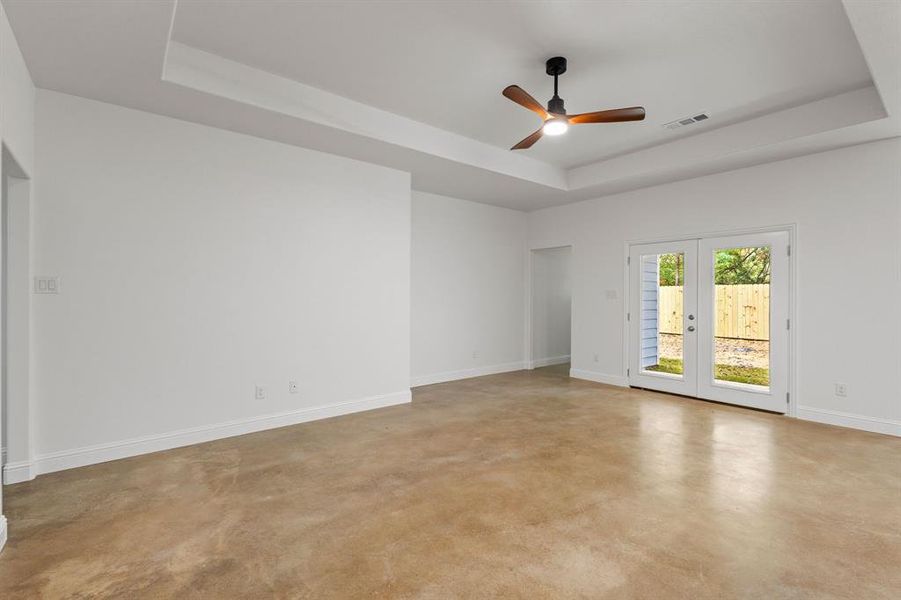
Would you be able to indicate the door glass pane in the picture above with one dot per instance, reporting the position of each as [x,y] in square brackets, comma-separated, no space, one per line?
[662,276]
[742,316]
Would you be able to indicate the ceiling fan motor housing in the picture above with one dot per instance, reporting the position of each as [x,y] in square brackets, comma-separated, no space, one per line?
[555,106]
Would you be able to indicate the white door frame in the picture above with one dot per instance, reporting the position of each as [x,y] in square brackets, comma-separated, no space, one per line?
[18,464]
[18,186]
[792,229]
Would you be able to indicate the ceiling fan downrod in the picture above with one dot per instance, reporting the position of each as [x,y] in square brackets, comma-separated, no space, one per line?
[555,67]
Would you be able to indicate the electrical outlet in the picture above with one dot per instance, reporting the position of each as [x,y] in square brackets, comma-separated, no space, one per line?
[841,389]
[259,392]
[475,354]
[292,387]
[596,358]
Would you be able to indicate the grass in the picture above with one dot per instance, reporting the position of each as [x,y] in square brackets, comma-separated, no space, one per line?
[749,375]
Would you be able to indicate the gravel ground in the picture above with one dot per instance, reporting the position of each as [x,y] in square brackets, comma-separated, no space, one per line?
[740,353]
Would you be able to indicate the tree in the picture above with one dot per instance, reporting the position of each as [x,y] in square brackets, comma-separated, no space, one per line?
[731,266]
[742,265]
[671,268]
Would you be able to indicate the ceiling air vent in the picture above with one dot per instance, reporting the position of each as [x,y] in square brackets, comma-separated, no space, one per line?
[686,121]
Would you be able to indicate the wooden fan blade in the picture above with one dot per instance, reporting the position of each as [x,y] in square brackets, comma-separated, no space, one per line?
[521,97]
[527,142]
[617,115]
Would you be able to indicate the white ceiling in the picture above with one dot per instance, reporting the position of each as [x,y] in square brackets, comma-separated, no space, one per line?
[416,85]
[445,63]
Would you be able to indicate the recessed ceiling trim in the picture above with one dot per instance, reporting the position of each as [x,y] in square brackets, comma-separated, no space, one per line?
[836,112]
[876,26]
[212,74]
[208,73]
[114,54]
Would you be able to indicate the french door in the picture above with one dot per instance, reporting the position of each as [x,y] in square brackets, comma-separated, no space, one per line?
[664,349]
[708,318]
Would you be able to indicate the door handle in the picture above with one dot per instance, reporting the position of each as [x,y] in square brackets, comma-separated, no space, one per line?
[691,327]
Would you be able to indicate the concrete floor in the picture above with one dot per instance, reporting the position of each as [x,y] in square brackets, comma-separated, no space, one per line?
[525,485]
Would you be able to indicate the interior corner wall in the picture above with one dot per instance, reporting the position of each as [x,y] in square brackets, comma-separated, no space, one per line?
[468,286]
[846,206]
[196,264]
[551,306]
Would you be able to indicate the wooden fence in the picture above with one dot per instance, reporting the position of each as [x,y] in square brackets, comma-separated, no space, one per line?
[742,311]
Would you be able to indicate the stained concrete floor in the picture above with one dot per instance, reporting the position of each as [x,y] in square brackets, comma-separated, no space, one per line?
[522,485]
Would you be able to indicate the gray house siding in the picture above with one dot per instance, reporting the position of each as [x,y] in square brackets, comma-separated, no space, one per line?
[649,286]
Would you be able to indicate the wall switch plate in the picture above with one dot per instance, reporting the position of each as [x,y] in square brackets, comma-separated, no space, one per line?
[596,357]
[841,389]
[611,294]
[292,387]
[259,392]
[46,285]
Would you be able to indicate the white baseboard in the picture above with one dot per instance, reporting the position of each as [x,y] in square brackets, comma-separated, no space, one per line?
[15,472]
[419,380]
[90,455]
[547,362]
[2,531]
[843,419]
[617,380]
[18,472]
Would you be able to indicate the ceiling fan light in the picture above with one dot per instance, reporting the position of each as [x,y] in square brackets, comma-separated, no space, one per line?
[555,127]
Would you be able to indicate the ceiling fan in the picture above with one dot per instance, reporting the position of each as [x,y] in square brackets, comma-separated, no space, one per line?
[556,121]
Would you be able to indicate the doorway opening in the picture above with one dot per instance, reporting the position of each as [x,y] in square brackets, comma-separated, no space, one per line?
[551,307]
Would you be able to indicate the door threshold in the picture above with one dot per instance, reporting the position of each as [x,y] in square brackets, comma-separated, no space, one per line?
[769,412]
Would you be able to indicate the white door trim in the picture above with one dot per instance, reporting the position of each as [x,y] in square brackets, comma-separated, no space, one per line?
[792,230]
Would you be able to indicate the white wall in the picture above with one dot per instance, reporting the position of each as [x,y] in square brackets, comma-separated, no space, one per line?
[196,263]
[847,208]
[550,306]
[468,283]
